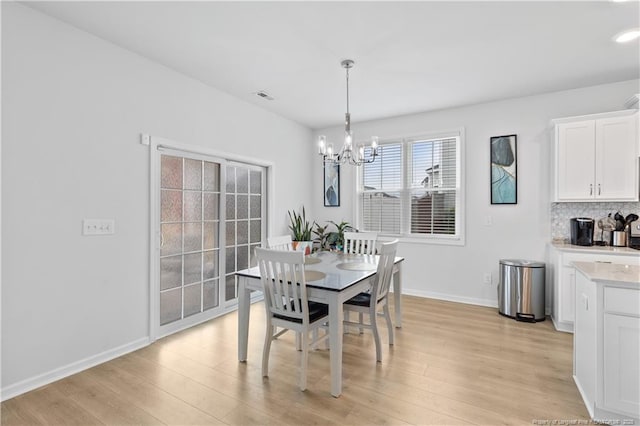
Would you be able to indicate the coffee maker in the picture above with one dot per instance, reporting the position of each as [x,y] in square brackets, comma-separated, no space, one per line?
[634,234]
[581,231]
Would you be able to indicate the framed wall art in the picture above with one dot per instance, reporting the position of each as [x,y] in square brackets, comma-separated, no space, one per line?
[504,170]
[331,185]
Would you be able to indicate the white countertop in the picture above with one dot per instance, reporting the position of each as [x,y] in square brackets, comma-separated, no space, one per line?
[625,251]
[609,272]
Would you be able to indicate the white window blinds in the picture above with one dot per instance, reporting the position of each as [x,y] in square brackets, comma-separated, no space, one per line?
[413,188]
[382,191]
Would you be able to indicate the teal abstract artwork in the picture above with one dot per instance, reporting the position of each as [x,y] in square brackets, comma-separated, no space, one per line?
[504,183]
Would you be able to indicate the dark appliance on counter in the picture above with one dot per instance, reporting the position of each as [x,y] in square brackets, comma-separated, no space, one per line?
[634,234]
[581,231]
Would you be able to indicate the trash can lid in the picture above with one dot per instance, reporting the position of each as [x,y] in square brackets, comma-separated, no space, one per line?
[522,262]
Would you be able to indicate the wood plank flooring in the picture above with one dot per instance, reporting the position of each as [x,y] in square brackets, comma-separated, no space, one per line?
[451,364]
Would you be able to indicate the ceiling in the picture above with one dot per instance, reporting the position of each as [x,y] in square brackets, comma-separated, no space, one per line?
[410,56]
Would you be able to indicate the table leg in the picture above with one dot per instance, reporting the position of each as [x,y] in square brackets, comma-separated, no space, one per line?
[244,297]
[335,344]
[397,294]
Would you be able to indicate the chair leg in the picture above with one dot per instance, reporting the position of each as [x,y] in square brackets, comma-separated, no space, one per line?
[387,317]
[266,349]
[326,341]
[305,359]
[376,334]
[298,340]
[360,320]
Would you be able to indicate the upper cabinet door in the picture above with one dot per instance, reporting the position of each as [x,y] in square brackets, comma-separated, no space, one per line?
[616,159]
[575,160]
[596,158]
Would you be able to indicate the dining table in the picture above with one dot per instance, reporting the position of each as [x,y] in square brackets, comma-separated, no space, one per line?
[332,278]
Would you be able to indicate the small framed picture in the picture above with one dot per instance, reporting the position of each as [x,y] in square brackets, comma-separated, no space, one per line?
[504,170]
[331,185]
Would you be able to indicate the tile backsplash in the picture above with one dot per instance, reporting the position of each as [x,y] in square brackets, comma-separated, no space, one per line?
[562,212]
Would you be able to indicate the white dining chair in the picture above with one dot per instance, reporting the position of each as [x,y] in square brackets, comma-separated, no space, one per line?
[287,306]
[281,242]
[370,303]
[360,242]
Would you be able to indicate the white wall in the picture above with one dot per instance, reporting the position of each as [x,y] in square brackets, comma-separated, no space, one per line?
[73,107]
[518,231]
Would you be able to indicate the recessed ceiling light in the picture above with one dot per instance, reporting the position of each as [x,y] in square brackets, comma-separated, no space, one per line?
[627,36]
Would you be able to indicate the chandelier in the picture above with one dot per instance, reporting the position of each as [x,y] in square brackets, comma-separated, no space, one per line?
[347,153]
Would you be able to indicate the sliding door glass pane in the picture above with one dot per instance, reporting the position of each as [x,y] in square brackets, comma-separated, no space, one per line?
[244,221]
[189,226]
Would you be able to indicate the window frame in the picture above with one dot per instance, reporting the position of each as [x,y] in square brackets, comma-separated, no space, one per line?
[405,235]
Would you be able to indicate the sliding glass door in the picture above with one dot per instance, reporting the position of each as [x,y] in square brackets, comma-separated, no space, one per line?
[211,217]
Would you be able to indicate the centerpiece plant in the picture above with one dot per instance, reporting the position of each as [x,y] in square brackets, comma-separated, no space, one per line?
[336,238]
[301,229]
[331,240]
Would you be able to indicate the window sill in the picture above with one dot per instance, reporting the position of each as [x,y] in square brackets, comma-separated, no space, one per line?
[442,241]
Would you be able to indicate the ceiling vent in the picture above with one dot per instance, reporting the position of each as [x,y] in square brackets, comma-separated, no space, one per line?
[264,95]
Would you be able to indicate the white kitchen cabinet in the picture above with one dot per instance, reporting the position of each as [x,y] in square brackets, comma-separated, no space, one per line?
[621,337]
[564,276]
[596,157]
[607,340]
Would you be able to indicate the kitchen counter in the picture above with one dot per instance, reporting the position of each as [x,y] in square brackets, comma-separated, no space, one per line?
[610,272]
[625,251]
[562,274]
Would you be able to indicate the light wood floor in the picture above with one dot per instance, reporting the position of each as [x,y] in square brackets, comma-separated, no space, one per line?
[451,364]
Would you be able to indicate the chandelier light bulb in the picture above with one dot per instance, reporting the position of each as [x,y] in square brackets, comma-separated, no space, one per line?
[322,144]
[348,141]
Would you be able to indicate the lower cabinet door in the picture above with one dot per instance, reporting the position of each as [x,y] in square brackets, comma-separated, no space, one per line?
[622,363]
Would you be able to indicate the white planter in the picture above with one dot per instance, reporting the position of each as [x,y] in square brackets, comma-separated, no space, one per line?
[304,246]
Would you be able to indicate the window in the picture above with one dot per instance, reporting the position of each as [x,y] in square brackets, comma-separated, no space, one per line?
[413,189]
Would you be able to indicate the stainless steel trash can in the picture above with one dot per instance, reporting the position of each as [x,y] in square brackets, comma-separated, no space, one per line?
[521,289]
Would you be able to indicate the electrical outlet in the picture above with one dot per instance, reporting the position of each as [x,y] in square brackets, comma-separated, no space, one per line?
[486,278]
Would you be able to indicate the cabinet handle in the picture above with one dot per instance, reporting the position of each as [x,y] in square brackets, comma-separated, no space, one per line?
[591,189]
[599,189]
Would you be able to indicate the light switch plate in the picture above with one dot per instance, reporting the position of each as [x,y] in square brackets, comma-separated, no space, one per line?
[98,227]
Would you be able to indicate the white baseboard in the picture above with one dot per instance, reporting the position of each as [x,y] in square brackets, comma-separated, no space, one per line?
[583,395]
[67,370]
[562,326]
[448,297]
[468,300]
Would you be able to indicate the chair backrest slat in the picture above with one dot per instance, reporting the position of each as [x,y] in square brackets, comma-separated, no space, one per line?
[284,283]
[281,242]
[360,242]
[385,269]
